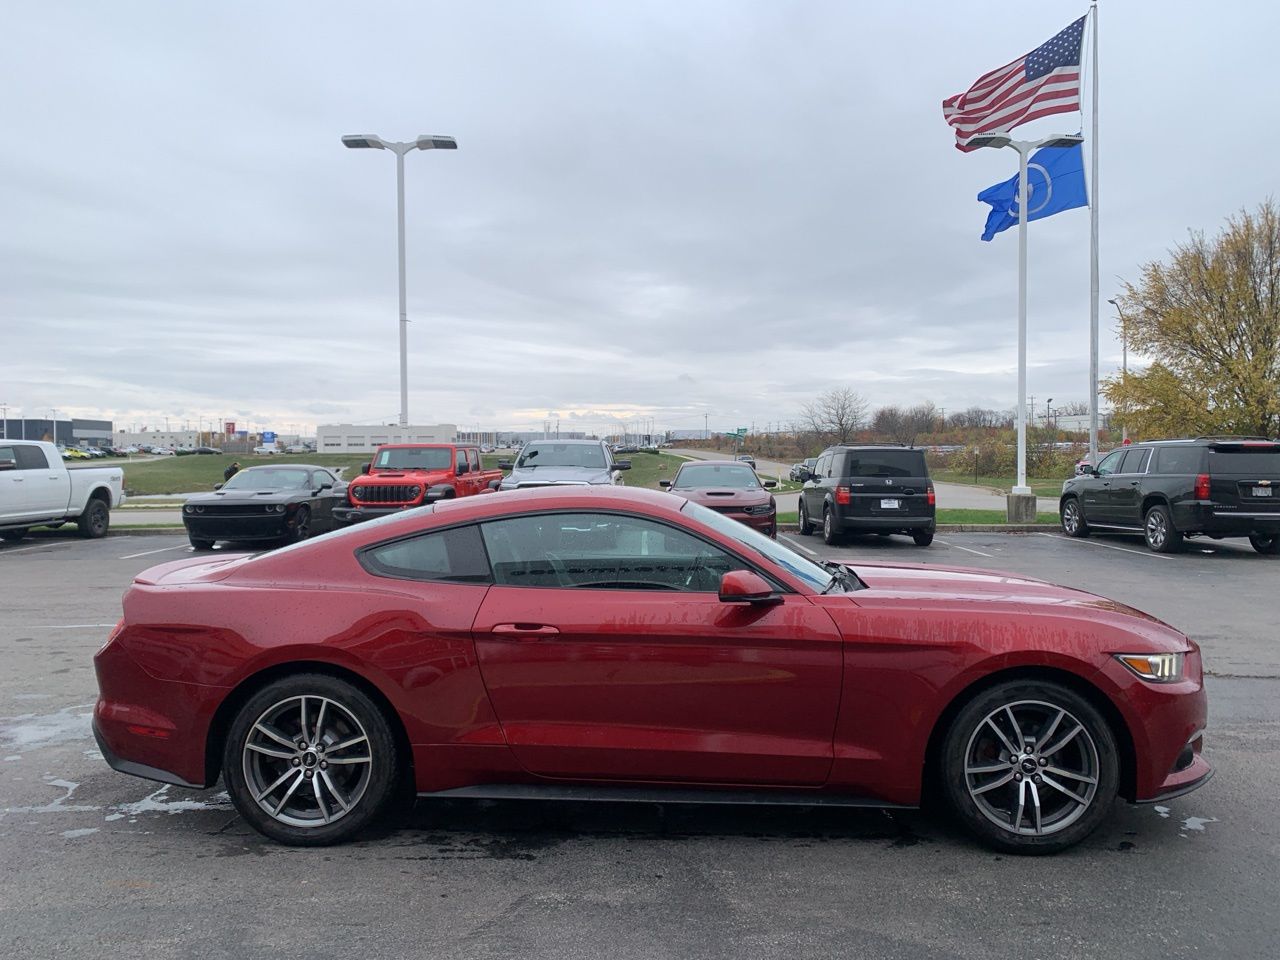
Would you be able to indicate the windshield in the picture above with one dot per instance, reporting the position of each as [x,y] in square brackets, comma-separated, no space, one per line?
[771,550]
[562,455]
[886,463]
[703,475]
[267,478]
[415,458]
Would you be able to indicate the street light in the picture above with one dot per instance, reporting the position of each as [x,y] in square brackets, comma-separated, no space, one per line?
[1046,413]
[1024,148]
[373,141]
[1124,358]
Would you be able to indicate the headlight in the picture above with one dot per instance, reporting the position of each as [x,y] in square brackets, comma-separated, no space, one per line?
[1154,667]
[188,509]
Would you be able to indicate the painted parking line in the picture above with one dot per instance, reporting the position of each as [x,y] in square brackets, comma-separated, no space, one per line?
[147,553]
[798,546]
[956,546]
[70,626]
[38,546]
[1107,546]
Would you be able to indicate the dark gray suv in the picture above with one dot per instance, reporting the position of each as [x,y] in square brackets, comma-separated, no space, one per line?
[880,488]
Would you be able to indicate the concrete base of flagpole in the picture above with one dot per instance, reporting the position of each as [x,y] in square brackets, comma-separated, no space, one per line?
[1021,507]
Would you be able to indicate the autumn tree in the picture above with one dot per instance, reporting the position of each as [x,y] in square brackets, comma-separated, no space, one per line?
[834,416]
[1209,320]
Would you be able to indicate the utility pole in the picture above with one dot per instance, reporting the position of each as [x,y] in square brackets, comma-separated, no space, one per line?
[706,426]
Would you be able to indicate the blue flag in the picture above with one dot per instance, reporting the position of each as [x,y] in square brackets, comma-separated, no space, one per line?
[1055,182]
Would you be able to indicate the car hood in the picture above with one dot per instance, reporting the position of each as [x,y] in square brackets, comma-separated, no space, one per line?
[721,497]
[530,476]
[249,496]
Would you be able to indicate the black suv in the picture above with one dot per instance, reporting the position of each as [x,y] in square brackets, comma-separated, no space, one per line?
[1171,489]
[880,488]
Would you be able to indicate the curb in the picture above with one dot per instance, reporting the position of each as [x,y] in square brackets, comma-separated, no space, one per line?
[965,527]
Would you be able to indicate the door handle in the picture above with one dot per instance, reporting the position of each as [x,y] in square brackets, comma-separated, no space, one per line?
[524,631]
[1133,483]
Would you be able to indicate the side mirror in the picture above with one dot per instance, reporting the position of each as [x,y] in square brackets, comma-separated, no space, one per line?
[494,485]
[217,486]
[365,467]
[770,484]
[804,474]
[665,484]
[440,492]
[622,464]
[743,586]
[505,465]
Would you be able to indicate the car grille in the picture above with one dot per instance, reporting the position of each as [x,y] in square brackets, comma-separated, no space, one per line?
[386,493]
[231,509]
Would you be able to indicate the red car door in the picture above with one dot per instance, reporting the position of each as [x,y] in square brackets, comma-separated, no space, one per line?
[608,655]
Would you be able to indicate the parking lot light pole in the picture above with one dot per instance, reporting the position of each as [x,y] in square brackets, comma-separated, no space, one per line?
[374,142]
[1124,359]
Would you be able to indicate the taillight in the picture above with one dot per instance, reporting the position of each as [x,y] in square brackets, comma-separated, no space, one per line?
[842,496]
[931,496]
[1202,487]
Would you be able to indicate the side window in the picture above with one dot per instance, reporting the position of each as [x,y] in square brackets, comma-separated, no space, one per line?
[1178,460]
[460,461]
[1135,461]
[1110,463]
[473,458]
[454,555]
[824,463]
[602,551]
[9,457]
[31,458]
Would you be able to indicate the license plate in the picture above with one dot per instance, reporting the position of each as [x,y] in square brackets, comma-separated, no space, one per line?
[1262,491]
[890,504]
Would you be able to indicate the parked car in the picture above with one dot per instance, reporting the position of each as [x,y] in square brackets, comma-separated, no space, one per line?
[37,489]
[94,452]
[869,488]
[404,475]
[809,463]
[73,453]
[728,487]
[270,503]
[207,451]
[544,463]
[747,459]
[162,451]
[265,451]
[619,643]
[1170,490]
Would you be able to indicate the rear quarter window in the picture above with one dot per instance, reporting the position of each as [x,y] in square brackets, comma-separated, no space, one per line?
[1179,460]
[455,555]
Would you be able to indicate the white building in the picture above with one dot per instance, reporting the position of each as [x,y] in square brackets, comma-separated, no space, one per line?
[361,438]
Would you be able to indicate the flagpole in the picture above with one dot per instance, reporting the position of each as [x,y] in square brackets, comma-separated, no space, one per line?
[1022,487]
[1093,259]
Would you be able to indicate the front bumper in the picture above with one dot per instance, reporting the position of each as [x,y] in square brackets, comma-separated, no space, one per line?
[765,523]
[272,526]
[347,515]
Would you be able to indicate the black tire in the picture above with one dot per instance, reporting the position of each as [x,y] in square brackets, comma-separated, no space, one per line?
[95,520]
[922,537]
[830,535]
[301,525]
[199,544]
[1159,532]
[971,745]
[1265,544]
[349,714]
[806,527]
[1071,516]
[13,536]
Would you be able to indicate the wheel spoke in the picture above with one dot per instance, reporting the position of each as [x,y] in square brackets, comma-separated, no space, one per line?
[1035,805]
[337,794]
[320,720]
[1017,730]
[268,732]
[1059,772]
[1049,781]
[1050,751]
[992,768]
[1053,728]
[1004,739]
[344,744]
[281,779]
[302,721]
[1022,800]
[999,782]
[324,810]
[268,751]
[333,760]
[289,793]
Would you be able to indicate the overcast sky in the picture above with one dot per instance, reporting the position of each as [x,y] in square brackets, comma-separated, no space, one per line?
[656,210]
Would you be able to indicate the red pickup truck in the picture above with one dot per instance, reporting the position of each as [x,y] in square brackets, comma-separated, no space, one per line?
[403,475]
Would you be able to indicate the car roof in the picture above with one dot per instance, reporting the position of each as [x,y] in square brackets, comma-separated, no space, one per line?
[711,463]
[283,465]
[594,443]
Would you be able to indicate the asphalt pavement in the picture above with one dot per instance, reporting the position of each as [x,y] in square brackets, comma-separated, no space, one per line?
[98,864]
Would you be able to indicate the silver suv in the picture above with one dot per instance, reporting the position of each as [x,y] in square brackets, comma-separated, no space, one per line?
[547,463]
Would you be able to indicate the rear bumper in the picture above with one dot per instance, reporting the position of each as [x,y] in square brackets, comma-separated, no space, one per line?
[848,522]
[1233,522]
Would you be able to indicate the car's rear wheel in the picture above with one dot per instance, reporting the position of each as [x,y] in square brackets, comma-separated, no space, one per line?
[13,536]
[310,760]
[1073,522]
[830,535]
[95,520]
[1159,532]
[922,537]
[1265,544]
[1030,767]
[806,527]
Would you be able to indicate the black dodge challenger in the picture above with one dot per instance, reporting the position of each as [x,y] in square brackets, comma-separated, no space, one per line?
[280,504]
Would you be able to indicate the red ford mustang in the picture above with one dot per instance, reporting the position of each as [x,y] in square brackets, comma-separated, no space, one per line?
[626,644]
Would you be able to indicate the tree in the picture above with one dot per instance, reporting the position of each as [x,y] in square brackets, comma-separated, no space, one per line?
[974,418]
[835,416]
[904,425]
[1209,319]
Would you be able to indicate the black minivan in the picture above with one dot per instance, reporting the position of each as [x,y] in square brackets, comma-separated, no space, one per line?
[876,488]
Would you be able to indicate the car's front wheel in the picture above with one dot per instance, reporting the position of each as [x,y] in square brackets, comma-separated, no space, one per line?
[1030,767]
[301,524]
[1073,522]
[310,760]
[1265,544]
[199,544]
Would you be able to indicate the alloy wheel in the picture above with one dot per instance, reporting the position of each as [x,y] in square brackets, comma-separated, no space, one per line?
[307,761]
[1031,768]
[1157,529]
[1070,517]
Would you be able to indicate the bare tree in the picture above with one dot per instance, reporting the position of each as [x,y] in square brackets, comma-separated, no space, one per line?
[834,416]
[974,418]
[904,425]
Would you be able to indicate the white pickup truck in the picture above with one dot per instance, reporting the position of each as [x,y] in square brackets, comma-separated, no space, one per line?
[37,489]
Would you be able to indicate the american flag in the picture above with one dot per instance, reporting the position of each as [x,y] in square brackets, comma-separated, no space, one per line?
[1044,82]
